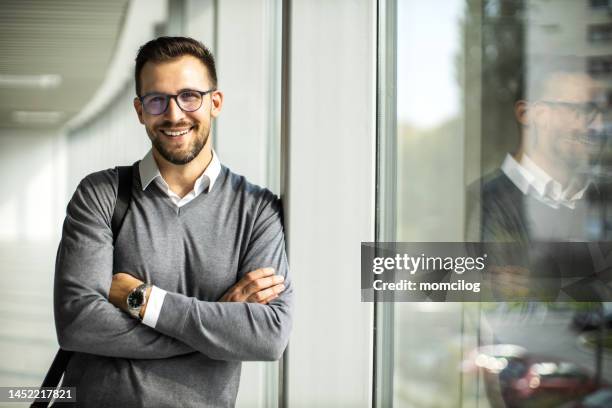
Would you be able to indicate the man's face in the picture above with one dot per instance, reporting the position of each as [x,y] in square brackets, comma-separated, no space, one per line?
[565,125]
[177,135]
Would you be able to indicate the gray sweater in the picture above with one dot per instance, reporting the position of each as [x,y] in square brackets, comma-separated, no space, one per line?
[193,356]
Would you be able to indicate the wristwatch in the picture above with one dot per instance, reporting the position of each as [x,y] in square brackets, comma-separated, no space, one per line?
[136,299]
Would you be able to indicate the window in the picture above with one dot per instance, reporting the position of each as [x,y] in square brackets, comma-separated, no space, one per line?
[465,75]
[598,4]
[600,66]
[600,33]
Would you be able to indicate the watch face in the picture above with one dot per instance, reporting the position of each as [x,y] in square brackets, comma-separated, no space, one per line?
[135,299]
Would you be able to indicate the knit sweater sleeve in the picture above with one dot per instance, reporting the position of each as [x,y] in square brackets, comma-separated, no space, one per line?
[85,320]
[239,331]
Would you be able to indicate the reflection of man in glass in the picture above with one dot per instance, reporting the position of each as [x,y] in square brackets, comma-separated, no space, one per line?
[544,191]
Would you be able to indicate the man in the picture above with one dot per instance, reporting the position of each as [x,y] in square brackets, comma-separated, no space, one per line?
[544,195]
[202,247]
[541,190]
[546,190]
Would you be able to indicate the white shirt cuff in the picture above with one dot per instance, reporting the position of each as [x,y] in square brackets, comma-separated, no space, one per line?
[154,305]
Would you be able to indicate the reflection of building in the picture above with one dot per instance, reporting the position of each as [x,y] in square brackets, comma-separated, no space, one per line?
[580,30]
[599,36]
[521,39]
[576,31]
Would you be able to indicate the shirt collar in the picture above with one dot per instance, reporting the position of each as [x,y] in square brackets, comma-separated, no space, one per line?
[533,180]
[149,171]
[540,181]
[517,174]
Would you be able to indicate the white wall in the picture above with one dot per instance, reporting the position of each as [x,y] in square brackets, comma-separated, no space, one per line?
[331,200]
[248,74]
[32,164]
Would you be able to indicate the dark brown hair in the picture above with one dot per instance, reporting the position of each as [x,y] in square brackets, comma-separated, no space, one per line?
[164,49]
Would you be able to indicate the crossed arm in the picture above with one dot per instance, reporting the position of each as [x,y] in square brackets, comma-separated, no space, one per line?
[258,286]
[250,322]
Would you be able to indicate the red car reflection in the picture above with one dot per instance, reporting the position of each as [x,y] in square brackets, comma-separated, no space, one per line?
[515,378]
[549,376]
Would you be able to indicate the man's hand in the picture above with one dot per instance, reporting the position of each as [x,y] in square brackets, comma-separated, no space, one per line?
[258,286]
[121,287]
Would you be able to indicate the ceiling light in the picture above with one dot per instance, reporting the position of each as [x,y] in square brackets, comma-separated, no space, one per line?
[46,81]
[37,117]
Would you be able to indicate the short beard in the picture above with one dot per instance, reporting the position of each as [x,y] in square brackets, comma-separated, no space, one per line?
[180,159]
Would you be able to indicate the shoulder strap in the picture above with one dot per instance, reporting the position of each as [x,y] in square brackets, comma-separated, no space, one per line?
[124,197]
[52,379]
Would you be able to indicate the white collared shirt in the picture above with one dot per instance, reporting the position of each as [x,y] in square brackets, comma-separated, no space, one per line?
[149,172]
[532,180]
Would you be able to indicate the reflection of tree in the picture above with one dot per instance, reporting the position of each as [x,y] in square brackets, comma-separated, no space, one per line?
[503,45]
[431,354]
[491,61]
[430,160]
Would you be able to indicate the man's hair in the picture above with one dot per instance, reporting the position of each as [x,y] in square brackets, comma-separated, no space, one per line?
[164,49]
[534,76]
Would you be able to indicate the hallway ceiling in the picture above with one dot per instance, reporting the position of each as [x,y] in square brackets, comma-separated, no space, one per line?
[55,54]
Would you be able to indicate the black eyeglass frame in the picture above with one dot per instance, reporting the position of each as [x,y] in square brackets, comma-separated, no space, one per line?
[175,97]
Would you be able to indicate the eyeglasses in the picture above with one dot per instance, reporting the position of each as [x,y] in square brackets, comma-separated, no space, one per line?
[587,110]
[188,101]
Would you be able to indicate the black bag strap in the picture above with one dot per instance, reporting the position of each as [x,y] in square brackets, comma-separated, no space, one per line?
[52,379]
[124,197]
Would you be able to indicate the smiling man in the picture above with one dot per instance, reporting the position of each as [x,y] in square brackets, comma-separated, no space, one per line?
[197,280]
[546,194]
[545,190]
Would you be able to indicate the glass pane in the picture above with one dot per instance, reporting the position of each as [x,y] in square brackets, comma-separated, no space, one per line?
[502,135]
